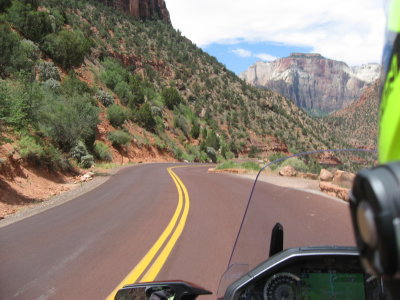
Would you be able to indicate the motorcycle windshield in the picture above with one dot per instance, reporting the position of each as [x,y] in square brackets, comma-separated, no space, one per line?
[308,195]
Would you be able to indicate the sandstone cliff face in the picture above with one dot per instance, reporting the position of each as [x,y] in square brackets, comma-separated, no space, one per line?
[142,9]
[313,82]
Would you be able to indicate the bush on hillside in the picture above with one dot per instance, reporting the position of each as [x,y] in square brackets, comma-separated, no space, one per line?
[145,117]
[4,4]
[212,154]
[67,48]
[71,86]
[296,163]
[181,123]
[102,151]
[171,97]
[87,161]
[47,70]
[105,98]
[119,138]
[79,151]
[9,42]
[117,115]
[212,140]
[195,131]
[33,24]
[66,122]
[113,73]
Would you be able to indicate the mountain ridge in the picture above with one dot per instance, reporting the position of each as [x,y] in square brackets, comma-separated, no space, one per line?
[312,81]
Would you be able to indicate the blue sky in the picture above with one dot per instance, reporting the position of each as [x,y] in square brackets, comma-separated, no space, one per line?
[239,32]
[239,56]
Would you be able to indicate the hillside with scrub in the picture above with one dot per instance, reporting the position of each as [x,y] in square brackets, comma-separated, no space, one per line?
[82,84]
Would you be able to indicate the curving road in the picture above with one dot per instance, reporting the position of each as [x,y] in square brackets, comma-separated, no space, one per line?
[85,248]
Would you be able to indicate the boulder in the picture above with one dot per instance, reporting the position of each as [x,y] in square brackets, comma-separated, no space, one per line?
[343,179]
[288,171]
[334,190]
[325,175]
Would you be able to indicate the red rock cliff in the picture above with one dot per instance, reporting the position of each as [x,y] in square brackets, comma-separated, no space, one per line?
[312,81]
[143,9]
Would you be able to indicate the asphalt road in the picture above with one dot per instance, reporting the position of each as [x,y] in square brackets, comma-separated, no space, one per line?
[84,248]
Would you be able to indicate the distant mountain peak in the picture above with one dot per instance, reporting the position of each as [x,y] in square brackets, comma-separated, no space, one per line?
[306,55]
[313,82]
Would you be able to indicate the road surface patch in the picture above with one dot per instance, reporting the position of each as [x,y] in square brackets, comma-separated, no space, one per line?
[172,231]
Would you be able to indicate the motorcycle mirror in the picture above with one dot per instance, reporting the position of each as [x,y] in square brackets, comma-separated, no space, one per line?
[163,290]
[276,244]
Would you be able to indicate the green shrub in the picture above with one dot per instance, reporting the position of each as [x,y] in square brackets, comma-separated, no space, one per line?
[226,165]
[67,48]
[181,123]
[71,86]
[122,89]
[195,131]
[171,97]
[47,70]
[117,115]
[24,57]
[105,98]
[87,161]
[19,103]
[102,151]
[79,151]
[42,155]
[212,140]
[35,25]
[114,73]
[30,150]
[53,85]
[250,165]
[145,117]
[253,151]
[119,138]
[229,155]
[296,163]
[9,42]
[160,144]
[4,4]
[211,154]
[137,92]
[66,122]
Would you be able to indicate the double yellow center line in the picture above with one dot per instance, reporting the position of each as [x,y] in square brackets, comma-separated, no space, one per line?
[167,239]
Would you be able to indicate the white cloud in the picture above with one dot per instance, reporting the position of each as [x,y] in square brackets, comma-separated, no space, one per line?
[242,52]
[348,30]
[247,53]
[265,56]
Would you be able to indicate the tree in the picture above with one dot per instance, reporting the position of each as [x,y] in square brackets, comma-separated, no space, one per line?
[35,25]
[67,48]
[9,41]
[171,97]
[4,4]
[145,117]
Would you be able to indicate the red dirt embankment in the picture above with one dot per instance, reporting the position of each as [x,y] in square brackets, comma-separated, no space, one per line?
[24,186]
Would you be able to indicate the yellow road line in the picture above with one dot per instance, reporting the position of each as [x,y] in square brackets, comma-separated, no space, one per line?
[146,260]
[161,259]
